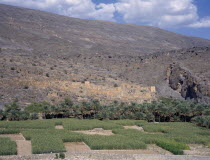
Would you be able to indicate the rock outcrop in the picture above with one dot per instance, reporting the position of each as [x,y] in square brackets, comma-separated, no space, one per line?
[190,87]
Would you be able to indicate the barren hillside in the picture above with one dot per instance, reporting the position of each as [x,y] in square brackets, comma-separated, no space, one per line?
[44,56]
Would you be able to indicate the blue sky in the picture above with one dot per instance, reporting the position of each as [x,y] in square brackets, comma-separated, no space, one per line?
[188,17]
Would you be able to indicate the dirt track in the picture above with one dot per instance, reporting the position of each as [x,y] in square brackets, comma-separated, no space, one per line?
[105,156]
[23,146]
[99,131]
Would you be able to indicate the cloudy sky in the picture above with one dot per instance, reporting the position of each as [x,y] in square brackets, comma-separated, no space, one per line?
[189,17]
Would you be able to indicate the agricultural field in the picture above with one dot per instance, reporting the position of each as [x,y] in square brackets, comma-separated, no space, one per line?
[174,137]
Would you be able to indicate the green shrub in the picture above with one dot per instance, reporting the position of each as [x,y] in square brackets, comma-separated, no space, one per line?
[61,155]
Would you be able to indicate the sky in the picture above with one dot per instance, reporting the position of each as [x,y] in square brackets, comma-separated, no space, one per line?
[188,17]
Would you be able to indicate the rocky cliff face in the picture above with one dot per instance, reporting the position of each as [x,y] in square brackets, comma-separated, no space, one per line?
[189,86]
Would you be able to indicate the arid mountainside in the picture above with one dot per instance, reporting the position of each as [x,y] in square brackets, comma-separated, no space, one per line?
[44,56]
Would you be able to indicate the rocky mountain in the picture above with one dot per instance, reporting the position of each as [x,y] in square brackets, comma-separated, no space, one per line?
[44,56]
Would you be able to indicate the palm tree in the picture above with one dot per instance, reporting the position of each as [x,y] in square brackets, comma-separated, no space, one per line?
[150,117]
[2,115]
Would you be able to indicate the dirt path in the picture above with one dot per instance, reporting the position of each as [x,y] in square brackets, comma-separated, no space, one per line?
[81,147]
[198,149]
[23,146]
[105,156]
[99,131]
[158,150]
[77,147]
[13,137]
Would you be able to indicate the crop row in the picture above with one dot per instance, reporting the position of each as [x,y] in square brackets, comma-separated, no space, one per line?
[7,147]
[173,137]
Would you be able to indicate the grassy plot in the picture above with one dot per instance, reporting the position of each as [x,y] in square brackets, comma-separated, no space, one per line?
[187,133]
[9,131]
[29,124]
[174,136]
[76,124]
[125,122]
[158,139]
[46,144]
[99,142]
[7,147]
[172,146]
[44,141]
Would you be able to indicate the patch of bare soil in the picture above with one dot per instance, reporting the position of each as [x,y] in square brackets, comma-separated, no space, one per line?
[23,146]
[134,127]
[59,127]
[141,129]
[13,137]
[137,151]
[158,150]
[99,131]
[197,149]
[77,147]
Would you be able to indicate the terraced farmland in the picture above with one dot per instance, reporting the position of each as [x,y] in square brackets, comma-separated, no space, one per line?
[45,137]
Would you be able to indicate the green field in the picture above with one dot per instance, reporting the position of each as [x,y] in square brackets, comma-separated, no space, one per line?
[172,136]
[7,147]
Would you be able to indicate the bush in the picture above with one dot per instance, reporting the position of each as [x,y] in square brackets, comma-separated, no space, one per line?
[61,155]
[34,116]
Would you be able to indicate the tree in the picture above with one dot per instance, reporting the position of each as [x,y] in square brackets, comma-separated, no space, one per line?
[2,115]
[140,116]
[150,117]
[12,111]
[42,108]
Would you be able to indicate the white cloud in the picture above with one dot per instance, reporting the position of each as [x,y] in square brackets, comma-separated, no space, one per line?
[160,13]
[73,8]
[203,23]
